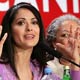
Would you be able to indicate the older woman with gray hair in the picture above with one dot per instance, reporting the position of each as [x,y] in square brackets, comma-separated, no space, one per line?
[63,34]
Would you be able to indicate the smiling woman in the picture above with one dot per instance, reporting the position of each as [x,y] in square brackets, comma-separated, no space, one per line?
[25,29]
[21,33]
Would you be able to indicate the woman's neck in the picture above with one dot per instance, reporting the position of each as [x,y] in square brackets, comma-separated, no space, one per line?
[22,62]
[23,56]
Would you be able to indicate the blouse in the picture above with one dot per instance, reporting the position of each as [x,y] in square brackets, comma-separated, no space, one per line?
[6,73]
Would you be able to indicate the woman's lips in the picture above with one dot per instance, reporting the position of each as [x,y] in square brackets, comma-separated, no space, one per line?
[29,36]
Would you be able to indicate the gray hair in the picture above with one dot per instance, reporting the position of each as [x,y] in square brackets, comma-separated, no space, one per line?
[55,24]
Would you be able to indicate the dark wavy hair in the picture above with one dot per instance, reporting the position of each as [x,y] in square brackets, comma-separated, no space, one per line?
[8,50]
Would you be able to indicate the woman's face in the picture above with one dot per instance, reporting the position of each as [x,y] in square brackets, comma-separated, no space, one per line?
[67,29]
[25,29]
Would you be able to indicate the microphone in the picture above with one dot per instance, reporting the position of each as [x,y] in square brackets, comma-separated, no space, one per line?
[50,50]
[55,53]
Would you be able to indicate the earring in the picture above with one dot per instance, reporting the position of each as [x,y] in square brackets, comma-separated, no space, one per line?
[55,49]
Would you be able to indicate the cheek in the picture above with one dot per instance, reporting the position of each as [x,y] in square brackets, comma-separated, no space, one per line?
[16,30]
[37,32]
[16,34]
[79,50]
[63,41]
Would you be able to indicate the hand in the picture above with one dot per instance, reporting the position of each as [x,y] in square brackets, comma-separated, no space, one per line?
[76,47]
[72,51]
[2,40]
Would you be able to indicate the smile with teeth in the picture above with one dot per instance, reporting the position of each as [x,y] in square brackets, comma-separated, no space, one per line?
[29,36]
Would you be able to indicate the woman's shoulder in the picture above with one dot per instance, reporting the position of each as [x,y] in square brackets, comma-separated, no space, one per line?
[5,68]
[2,66]
[6,72]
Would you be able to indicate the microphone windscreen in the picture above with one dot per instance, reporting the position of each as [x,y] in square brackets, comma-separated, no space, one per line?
[50,50]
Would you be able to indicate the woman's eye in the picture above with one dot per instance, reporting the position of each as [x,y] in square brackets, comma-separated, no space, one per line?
[65,35]
[20,23]
[34,22]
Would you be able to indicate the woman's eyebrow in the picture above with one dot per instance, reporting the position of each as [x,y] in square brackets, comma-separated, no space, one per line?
[33,18]
[20,19]
[65,31]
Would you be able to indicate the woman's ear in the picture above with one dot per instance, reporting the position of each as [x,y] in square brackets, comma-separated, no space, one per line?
[54,45]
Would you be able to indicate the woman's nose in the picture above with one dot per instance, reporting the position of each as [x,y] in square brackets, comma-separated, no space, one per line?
[29,27]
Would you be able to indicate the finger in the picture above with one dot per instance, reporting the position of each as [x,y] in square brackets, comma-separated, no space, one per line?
[71,43]
[76,57]
[71,30]
[4,38]
[0,30]
[64,62]
[64,50]
[77,34]
[76,52]
[75,44]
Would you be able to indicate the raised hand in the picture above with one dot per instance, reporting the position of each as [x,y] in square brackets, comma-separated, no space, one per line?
[73,50]
[2,40]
